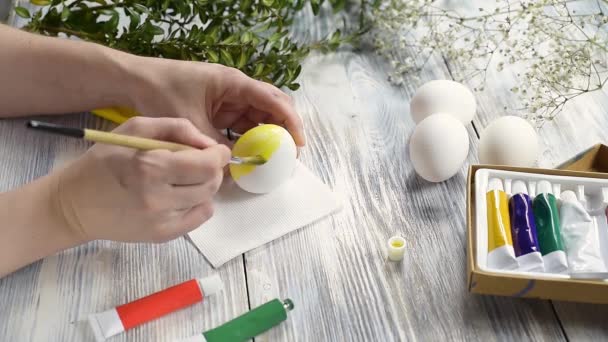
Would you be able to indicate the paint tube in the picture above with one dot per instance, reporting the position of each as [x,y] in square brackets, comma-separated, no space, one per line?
[500,245]
[124,317]
[546,217]
[581,240]
[523,230]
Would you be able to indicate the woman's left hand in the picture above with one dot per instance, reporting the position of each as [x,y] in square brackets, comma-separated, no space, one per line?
[211,96]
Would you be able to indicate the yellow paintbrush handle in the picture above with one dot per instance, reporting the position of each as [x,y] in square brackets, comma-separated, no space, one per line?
[133,142]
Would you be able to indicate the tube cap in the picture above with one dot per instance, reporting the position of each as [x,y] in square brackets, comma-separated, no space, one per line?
[495,184]
[519,187]
[568,196]
[211,285]
[544,187]
[396,248]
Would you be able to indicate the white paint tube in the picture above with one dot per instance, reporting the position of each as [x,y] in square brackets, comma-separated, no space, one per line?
[581,240]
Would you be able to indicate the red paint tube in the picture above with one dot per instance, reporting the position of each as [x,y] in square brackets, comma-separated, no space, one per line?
[127,316]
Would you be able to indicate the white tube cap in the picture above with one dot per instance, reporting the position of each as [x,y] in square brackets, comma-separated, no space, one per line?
[580,193]
[495,184]
[568,196]
[544,187]
[211,285]
[519,187]
[396,248]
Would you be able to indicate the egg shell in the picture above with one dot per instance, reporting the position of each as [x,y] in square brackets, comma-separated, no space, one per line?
[443,96]
[509,140]
[277,146]
[439,147]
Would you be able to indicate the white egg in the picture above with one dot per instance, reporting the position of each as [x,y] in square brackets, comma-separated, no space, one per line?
[509,140]
[443,96]
[439,147]
[273,143]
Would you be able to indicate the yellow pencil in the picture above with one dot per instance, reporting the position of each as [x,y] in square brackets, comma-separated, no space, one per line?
[116,114]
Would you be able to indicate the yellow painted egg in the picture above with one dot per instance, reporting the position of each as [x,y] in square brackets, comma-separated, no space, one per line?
[276,145]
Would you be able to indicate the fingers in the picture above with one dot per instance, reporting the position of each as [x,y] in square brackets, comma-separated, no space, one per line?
[189,196]
[177,130]
[197,167]
[195,217]
[267,98]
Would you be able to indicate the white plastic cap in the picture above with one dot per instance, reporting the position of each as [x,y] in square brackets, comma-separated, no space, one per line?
[508,183]
[544,187]
[519,187]
[532,188]
[495,184]
[396,248]
[557,190]
[211,285]
[580,193]
[568,196]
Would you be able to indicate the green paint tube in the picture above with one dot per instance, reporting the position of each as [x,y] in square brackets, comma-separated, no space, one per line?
[249,325]
[546,217]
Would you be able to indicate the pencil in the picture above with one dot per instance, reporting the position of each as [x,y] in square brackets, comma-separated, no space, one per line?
[130,141]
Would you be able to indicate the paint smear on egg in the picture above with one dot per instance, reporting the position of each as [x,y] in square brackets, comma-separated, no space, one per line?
[262,140]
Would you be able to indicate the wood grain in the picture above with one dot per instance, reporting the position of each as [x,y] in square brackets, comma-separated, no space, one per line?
[336,270]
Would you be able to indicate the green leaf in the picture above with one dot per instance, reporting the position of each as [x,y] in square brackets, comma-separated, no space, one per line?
[22,12]
[242,60]
[297,73]
[213,57]
[156,30]
[268,3]
[134,19]
[141,8]
[316,5]
[230,40]
[65,14]
[246,37]
[338,5]
[335,37]
[40,2]
[112,24]
[226,57]
[294,86]
[258,70]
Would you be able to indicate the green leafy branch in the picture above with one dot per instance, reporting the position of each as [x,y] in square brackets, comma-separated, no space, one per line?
[251,35]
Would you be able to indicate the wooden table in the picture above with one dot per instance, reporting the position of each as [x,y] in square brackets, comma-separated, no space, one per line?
[335,270]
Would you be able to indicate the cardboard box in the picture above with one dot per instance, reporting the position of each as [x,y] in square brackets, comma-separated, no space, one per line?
[591,163]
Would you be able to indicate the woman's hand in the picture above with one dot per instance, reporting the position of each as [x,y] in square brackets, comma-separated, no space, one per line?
[121,194]
[212,96]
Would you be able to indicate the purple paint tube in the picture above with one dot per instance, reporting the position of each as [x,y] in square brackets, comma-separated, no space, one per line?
[523,230]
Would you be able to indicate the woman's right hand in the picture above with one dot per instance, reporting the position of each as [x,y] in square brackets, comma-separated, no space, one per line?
[122,194]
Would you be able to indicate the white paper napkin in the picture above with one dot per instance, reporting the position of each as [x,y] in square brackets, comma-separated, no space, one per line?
[244,221]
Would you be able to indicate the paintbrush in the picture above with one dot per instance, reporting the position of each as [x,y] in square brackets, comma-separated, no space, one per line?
[128,140]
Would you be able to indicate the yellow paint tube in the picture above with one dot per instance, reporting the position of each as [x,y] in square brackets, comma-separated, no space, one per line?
[500,244]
